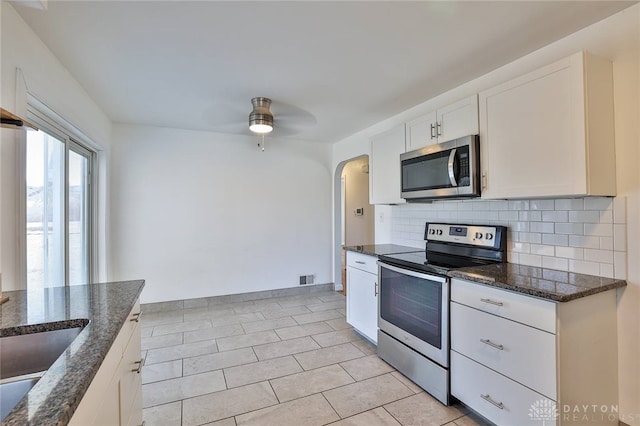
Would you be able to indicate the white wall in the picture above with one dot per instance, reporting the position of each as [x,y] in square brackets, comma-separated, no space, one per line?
[358,229]
[616,38]
[49,81]
[203,214]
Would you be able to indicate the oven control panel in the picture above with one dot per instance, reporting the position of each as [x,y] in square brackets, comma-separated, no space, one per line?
[484,236]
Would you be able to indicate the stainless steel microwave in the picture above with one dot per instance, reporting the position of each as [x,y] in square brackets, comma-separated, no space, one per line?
[447,170]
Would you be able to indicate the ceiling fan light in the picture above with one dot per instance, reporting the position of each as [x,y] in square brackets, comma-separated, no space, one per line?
[261,118]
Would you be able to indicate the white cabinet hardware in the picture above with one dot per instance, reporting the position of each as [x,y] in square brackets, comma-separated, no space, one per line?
[487,398]
[445,124]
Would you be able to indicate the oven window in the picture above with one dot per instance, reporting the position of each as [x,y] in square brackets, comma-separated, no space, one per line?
[412,304]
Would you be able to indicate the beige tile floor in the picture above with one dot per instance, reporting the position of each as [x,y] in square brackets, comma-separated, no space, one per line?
[280,361]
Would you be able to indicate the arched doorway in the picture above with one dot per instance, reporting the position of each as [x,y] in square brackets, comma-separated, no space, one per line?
[353,216]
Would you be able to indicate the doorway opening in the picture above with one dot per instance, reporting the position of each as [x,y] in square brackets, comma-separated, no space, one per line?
[354,216]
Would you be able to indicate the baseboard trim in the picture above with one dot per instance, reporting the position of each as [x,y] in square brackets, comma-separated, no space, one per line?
[235,298]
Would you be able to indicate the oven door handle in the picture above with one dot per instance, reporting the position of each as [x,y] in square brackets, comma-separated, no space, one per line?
[411,273]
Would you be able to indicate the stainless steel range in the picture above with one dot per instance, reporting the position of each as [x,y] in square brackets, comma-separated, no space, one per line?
[413,317]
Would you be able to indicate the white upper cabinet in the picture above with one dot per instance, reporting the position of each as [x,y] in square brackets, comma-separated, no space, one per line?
[384,166]
[451,122]
[550,133]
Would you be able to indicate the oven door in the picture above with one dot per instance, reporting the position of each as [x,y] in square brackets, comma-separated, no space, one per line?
[413,307]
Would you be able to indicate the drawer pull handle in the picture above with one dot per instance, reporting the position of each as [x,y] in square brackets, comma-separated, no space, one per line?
[360,262]
[487,398]
[493,345]
[139,369]
[492,302]
[136,317]
[375,289]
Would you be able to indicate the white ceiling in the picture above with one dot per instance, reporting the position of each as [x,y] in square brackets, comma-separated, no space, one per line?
[332,67]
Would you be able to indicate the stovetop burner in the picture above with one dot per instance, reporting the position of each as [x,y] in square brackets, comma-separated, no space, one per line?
[451,246]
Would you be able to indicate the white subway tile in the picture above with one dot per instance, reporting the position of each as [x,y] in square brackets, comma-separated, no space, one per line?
[620,209]
[519,226]
[569,228]
[530,237]
[465,205]
[584,267]
[541,205]
[620,237]
[513,257]
[598,229]
[570,252]
[482,205]
[542,249]
[499,205]
[569,204]
[506,215]
[555,216]
[606,216]
[606,270]
[585,242]
[555,240]
[598,203]
[620,265]
[518,247]
[519,205]
[606,243]
[530,260]
[555,263]
[597,255]
[545,227]
[584,216]
[531,216]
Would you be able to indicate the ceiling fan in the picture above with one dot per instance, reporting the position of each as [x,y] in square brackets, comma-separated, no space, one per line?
[266,116]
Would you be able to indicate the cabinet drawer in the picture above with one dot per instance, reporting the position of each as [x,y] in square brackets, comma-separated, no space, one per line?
[363,261]
[477,386]
[525,354]
[524,309]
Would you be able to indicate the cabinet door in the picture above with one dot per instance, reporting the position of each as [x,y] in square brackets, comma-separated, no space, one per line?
[384,167]
[532,134]
[458,119]
[362,302]
[421,132]
[130,382]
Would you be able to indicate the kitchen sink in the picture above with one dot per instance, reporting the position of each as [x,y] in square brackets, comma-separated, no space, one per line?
[24,358]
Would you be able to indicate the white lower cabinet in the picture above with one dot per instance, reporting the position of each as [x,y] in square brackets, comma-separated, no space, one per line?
[114,397]
[362,294]
[517,359]
[494,396]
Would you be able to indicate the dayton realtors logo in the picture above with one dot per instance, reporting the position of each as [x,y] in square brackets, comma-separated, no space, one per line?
[543,410]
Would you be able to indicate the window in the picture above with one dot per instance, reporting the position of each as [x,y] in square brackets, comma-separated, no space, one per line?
[58,208]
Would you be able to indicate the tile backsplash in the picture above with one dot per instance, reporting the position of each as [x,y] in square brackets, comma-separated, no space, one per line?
[584,235]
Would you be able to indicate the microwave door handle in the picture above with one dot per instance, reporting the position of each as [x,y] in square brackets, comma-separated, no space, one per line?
[452,175]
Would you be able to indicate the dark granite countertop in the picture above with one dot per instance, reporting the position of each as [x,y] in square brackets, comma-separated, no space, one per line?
[550,284]
[54,399]
[381,249]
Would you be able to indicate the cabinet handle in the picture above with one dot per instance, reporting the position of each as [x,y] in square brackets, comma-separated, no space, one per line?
[136,317]
[493,345]
[484,181]
[360,262]
[139,369]
[375,289]
[438,128]
[433,131]
[487,398]
[492,302]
